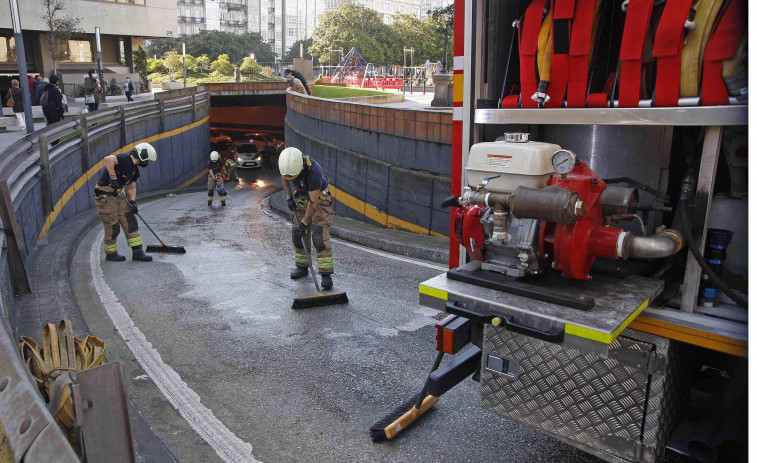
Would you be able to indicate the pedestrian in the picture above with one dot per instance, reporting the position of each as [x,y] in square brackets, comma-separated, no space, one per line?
[31,81]
[52,101]
[297,75]
[296,85]
[38,83]
[16,95]
[116,211]
[231,170]
[128,89]
[216,171]
[92,91]
[311,202]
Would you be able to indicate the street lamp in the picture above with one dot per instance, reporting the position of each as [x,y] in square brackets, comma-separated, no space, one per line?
[100,64]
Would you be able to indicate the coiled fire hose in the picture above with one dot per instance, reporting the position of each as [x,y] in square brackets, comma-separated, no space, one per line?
[692,56]
[52,363]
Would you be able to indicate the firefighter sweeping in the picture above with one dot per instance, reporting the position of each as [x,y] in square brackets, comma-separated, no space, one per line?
[116,210]
[216,172]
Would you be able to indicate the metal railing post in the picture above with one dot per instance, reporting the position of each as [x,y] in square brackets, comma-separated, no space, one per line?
[122,116]
[194,107]
[162,122]
[84,144]
[44,165]
[16,248]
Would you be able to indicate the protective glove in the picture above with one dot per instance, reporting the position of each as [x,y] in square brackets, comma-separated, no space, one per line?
[114,182]
[290,202]
[133,207]
[302,228]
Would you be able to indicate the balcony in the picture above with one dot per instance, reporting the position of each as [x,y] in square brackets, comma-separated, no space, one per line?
[233,5]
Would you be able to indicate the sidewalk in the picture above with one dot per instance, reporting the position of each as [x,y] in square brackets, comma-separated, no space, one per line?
[409,244]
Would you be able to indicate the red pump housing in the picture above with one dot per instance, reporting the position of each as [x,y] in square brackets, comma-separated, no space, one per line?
[573,248]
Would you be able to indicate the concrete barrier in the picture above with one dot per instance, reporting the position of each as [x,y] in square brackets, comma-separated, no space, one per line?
[387,166]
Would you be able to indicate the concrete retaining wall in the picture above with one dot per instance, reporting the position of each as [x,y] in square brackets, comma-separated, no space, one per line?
[387,166]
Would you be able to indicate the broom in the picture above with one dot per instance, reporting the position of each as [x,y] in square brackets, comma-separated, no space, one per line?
[407,413]
[319,299]
[152,247]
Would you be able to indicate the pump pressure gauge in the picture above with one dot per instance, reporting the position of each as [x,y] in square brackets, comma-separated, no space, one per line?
[563,161]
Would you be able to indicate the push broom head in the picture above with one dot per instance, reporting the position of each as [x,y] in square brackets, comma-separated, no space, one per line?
[319,300]
[166,249]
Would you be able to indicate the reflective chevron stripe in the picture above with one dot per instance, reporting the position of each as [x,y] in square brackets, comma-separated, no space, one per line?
[326,263]
[134,241]
[300,258]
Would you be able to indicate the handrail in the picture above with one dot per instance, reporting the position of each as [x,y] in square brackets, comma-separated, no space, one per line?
[23,163]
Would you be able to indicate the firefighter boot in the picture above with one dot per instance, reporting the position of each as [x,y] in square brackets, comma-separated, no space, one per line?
[298,272]
[326,282]
[114,257]
[139,255]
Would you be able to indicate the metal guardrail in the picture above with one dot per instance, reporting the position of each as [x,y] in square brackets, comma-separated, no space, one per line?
[30,428]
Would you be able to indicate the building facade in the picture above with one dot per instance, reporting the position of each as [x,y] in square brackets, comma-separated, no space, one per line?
[431,5]
[123,28]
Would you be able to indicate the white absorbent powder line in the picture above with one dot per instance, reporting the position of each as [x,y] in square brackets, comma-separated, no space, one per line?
[227,445]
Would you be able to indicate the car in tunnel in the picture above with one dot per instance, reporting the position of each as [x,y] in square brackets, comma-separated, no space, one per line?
[266,140]
[219,140]
[247,155]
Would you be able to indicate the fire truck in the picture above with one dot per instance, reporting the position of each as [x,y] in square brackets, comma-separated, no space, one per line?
[598,235]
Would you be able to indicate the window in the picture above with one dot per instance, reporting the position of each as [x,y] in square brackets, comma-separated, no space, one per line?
[7,49]
[79,51]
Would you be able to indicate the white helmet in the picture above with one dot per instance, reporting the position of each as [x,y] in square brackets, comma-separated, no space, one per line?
[144,152]
[291,162]
[214,156]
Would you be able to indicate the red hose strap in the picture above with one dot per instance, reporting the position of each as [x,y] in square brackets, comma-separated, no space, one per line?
[723,42]
[668,45]
[638,15]
[580,49]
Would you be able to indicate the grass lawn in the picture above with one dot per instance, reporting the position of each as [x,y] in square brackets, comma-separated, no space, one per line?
[326,91]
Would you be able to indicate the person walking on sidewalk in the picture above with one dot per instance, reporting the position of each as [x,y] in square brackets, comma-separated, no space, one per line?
[15,94]
[92,91]
[51,100]
[216,171]
[311,202]
[115,210]
[128,89]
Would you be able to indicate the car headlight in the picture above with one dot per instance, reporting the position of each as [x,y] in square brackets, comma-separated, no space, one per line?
[257,157]
[239,158]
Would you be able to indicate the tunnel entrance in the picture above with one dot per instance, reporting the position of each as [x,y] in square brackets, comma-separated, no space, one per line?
[248,129]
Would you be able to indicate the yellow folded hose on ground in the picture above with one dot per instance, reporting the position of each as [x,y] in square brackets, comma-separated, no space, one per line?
[693,47]
[51,364]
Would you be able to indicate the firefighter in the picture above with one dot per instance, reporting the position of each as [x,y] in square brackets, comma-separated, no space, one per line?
[311,201]
[116,211]
[231,170]
[216,170]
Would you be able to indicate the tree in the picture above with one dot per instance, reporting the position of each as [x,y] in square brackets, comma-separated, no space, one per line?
[202,64]
[174,63]
[352,25]
[140,65]
[156,65]
[222,66]
[294,52]
[60,28]
[159,47]
[249,65]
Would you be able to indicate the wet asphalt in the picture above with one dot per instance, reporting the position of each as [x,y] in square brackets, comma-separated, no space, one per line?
[297,385]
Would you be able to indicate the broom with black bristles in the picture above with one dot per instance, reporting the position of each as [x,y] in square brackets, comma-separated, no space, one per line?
[319,299]
[407,413]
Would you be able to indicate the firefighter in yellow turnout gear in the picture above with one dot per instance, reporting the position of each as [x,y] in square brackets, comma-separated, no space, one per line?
[216,171]
[311,201]
[117,212]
